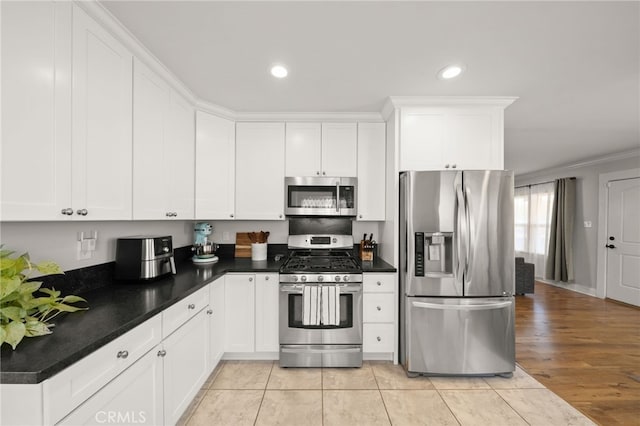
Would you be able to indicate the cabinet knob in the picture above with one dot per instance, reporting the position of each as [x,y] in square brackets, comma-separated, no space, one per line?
[280,216]
[162,353]
[168,214]
[360,216]
[446,166]
[67,212]
[324,173]
[231,215]
[250,279]
[82,212]
[209,311]
[122,354]
[318,173]
[191,306]
[379,339]
[453,166]
[266,278]
[378,283]
[379,308]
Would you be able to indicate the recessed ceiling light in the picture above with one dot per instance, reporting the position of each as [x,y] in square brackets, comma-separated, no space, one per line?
[279,71]
[450,71]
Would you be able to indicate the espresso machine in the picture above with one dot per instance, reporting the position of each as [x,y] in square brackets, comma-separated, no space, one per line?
[203,249]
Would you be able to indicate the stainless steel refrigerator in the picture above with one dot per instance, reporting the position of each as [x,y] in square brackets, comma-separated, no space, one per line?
[457,272]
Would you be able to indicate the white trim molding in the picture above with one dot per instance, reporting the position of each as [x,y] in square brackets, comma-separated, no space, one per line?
[395,102]
[603,208]
[578,288]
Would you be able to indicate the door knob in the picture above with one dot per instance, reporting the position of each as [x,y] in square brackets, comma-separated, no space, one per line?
[610,246]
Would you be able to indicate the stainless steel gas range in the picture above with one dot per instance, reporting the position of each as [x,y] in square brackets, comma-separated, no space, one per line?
[320,296]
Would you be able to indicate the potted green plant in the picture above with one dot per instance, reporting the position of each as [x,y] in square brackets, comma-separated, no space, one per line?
[21,313]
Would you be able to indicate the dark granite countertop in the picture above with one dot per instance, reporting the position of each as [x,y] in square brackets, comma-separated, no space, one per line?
[114,309]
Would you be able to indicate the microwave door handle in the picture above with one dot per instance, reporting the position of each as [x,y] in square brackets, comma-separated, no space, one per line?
[337,196]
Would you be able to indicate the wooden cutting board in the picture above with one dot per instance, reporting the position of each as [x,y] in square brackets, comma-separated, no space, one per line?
[243,245]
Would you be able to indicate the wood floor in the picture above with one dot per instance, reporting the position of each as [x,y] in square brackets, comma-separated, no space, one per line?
[585,349]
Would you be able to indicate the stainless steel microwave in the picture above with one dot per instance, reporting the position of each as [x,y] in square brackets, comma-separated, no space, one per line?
[320,196]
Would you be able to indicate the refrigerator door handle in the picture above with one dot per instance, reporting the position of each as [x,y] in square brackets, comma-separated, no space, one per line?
[467,214]
[460,232]
[478,307]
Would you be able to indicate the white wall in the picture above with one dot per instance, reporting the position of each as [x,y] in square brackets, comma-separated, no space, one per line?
[587,188]
[56,241]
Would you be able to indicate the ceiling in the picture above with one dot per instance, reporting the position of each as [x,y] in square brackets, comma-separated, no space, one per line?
[573,65]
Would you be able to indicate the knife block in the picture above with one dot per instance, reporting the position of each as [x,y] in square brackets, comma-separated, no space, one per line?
[367,250]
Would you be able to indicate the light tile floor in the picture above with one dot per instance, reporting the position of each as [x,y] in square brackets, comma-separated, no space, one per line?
[379,393]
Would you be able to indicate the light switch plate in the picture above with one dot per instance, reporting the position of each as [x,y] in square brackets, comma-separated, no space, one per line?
[81,254]
[587,224]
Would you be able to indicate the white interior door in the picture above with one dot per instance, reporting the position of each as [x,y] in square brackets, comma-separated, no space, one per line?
[623,241]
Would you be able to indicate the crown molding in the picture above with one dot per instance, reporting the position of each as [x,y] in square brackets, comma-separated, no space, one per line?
[585,163]
[426,101]
[310,116]
[98,12]
[215,109]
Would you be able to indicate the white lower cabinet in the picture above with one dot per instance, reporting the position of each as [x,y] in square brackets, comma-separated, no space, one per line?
[379,316]
[216,312]
[267,293]
[185,356]
[134,397]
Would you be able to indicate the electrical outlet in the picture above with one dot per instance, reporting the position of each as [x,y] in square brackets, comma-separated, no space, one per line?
[80,253]
[587,224]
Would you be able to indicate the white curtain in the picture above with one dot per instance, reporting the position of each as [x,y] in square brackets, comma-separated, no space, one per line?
[533,207]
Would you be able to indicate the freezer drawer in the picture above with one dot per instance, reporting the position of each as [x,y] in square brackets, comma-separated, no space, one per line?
[460,336]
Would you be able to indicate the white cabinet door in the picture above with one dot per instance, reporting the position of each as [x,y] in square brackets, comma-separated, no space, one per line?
[101,123]
[239,317]
[475,139]
[267,294]
[260,171]
[339,149]
[134,397]
[422,139]
[36,110]
[303,149]
[215,167]
[179,160]
[185,363]
[371,171]
[163,149]
[216,311]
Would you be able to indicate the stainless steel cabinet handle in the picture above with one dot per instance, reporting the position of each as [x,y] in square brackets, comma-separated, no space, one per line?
[359,216]
[266,278]
[379,283]
[250,279]
[67,211]
[191,306]
[82,212]
[209,311]
[453,166]
[162,353]
[324,173]
[231,215]
[446,166]
[379,308]
[379,339]
[122,354]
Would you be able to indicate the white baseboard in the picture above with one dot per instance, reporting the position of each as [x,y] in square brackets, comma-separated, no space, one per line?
[578,288]
[377,356]
[251,356]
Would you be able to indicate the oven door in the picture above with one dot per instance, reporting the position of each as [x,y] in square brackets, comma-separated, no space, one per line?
[315,196]
[294,332]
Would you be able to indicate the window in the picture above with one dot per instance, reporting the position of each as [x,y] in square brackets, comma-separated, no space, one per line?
[532,218]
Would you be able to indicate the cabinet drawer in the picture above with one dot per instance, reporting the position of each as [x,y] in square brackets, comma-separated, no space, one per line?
[68,389]
[378,307]
[181,312]
[379,283]
[378,337]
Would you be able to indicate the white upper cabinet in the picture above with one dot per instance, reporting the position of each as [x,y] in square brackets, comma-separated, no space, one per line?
[339,149]
[101,122]
[36,110]
[215,167]
[260,171]
[163,150]
[321,149]
[303,149]
[371,171]
[466,136]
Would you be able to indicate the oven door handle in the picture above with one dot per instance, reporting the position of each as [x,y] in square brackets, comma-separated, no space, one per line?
[307,350]
[344,288]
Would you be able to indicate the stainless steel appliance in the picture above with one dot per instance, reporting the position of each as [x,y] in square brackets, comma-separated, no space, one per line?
[321,260]
[143,257]
[320,196]
[457,272]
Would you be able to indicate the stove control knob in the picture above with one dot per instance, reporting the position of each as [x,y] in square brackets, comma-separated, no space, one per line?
[303,278]
[320,278]
[345,278]
[295,278]
[337,278]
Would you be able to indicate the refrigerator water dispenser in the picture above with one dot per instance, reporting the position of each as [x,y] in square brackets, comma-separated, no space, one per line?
[433,253]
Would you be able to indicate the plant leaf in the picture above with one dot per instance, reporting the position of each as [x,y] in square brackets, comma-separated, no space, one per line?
[8,285]
[29,287]
[5,253]
[6,263]
[67,308]
[73,299]
[50,291]
[48,268]
[36,328]
[14,313]
[14,332]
